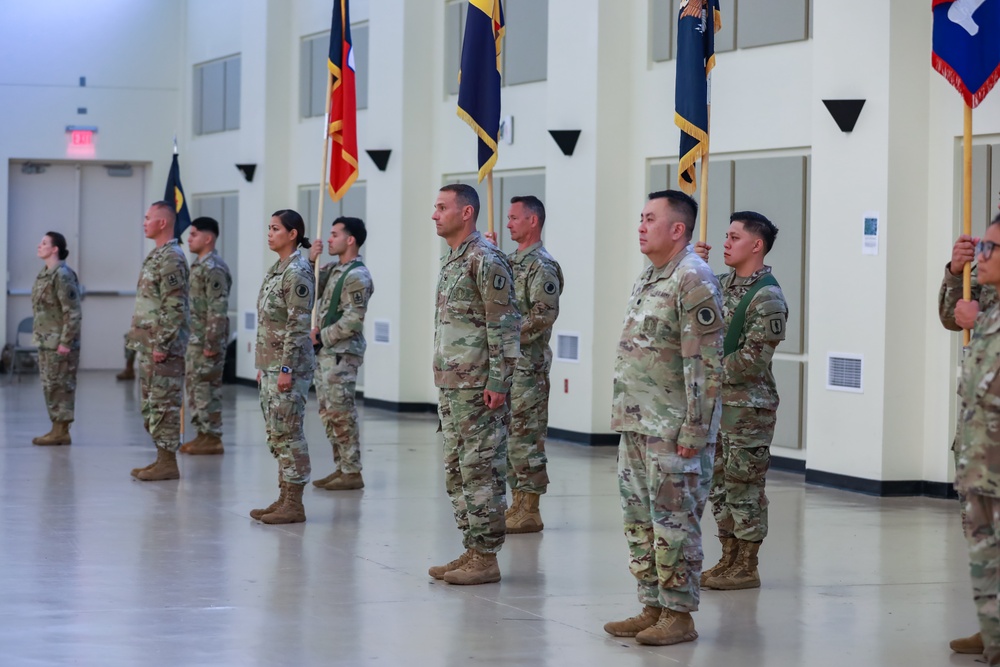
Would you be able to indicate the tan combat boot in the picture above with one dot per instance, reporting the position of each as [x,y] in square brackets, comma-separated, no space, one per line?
[257,514]
[742,573]
[190,444]
[729,549]
[59,435]
[164,468]
[673,627]
[291,510]
[528,519]
[515,504]
[346,482]
[129,372]
[323,481]
[206,445]
[438,571]
[479,569]
[630,627]
[972,645]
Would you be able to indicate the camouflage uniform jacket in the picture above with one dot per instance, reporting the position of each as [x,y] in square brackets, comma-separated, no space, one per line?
[55,304]
[346,335]
[668,374]
[210,285]
[477,326]
[538,282]
[284,316]
[747,379]
[161,321]
[951,294]
[978,469]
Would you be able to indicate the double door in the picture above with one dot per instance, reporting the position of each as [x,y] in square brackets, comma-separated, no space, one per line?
[99,209]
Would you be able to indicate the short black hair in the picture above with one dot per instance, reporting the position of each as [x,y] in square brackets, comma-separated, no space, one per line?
[168,209]
[206,224]
[59,241]
[681,204]
[353,226]
[995,221]
[291,220]
[758,225]
[465,195]
[533,204]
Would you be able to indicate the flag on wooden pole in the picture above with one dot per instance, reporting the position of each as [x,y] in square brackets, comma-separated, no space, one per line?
[967,45]
[479,77]
[697,23]
[342,124]
[175,193]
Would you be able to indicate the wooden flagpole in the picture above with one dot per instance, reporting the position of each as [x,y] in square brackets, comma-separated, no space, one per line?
[489,204]
[703,204]
[967,206]
[323,180]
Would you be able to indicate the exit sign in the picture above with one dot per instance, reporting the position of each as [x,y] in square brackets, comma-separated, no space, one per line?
[81,141]
[82,137]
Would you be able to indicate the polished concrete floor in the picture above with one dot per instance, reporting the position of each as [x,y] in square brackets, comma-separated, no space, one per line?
[98,569]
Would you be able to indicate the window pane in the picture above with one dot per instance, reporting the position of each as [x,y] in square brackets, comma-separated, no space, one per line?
[526,52]
[320,74]
[355,202]
[661,33]
[305,78]
[452,45]
[196,85]
[359,38]
[772,22]
[232,92]
[213,83]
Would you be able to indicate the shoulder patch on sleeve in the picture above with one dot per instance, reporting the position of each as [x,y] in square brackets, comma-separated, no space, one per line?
[174,279]
[301,291]
[550,287]
[497,284]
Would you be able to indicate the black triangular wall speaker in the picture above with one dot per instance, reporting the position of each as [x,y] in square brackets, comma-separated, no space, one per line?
[380,158]
[248,171]
[845,112]
[566,140]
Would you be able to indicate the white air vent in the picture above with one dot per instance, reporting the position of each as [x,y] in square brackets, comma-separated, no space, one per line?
[382,332]
[568,347]
[250,321]
[844,372]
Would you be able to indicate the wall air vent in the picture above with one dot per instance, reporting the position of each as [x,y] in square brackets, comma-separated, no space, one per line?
[845,372]
[382,332]
[568,347]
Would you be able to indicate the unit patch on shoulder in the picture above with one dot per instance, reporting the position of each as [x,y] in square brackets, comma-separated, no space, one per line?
[550,287]
[499,281]
[776,326]
[706,316]
[358,297]
[173,280]
[301,291]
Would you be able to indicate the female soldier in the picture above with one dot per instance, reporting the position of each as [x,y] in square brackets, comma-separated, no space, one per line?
[55,302]
[285,362]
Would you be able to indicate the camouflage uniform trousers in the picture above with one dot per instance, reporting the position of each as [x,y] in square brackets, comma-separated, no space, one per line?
[475,466]
[204,390]
[284,413]
[982,530]
[739,503]
[663,497]
[336,378]
[58,374]
[526,460]
[161,386]
[129,353]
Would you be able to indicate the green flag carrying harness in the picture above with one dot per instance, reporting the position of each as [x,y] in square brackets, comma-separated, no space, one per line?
[334,312]
[732,341]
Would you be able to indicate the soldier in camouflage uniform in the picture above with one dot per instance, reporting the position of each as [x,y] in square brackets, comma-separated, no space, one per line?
[667,390]
[285,363]
[127,373]
[160,328]
[345,286]
[978,450]
[206,352]
[538,282]
[956,314]
[755,314]
[476,346]
[55,304]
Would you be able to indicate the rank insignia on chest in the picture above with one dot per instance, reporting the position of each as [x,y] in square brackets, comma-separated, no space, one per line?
[499,282]
[706,316]
[550,287]
[301,291]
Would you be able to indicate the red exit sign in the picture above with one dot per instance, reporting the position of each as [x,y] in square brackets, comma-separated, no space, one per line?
[82,137]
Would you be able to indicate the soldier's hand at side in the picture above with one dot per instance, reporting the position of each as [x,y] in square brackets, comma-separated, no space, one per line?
[210,353]
[493,399]
[159,357]
[491,237]
[258,377]
[702,250]
[963,252]
[314,336]
[62,350]
[284,382]
[314,250]
[687,453]
[966,313]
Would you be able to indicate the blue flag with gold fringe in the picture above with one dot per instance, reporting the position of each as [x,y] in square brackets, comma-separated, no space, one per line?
[479,77]
[697,23]
[967,45]
[175,193]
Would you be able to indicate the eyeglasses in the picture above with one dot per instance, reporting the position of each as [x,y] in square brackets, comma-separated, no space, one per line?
[985,248]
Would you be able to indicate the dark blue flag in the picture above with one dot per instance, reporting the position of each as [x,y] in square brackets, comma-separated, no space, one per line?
[175,193]
[967,45]
[697,23]
[479,77]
